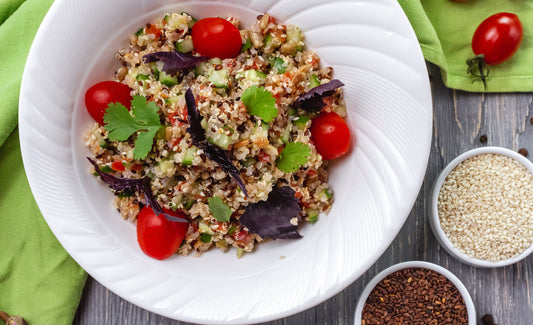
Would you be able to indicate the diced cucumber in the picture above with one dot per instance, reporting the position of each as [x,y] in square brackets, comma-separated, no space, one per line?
[204,228]
[250,161]
[142,77]
[192,21]
[246,45]
[189,156]
[166,165]
[222,140]
[219,78]
[286,134]
[268,40]
[314,81]
[167,79]
[201,69]
[188,203]
[184,45]
[173,99]
[215,61]
[300,122]
[260,130]
[291,111]
[295,36]
[161,133]
[100,139]
[139,32]
[156,68]
[255,76]
[312,216]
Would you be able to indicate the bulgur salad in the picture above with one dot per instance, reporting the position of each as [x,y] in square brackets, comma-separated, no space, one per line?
[216,136]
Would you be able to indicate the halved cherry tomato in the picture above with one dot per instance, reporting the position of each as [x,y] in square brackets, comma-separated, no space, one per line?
[330,135]
[216,37]
[498,37]
[158,237]
[101,94]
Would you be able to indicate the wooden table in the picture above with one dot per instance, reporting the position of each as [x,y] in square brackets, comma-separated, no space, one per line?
[460,119]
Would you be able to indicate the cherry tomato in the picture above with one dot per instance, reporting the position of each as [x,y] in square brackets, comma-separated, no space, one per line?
[330,135]
[216,37]
[157,236]
[101,94]
[498,37]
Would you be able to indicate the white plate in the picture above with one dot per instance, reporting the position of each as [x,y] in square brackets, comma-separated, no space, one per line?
[372,49]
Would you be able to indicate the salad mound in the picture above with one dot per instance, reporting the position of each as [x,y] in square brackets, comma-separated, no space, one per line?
[213,127]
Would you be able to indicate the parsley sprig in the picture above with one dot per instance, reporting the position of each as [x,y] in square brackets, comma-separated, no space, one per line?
[293,156]
[143,120]
[260,102]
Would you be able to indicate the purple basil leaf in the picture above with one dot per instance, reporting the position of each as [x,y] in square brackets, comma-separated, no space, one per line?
[134,184]
[212,151]
[174,61]
[271,218]
[219,155]
[312,101]
[195,128]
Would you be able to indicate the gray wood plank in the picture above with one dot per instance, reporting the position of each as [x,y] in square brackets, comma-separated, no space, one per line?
[460,118]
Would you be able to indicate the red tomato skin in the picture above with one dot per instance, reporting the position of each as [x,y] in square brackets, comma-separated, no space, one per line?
[101,94]
[216,37]
[498,37]
[158,237]
[331,135]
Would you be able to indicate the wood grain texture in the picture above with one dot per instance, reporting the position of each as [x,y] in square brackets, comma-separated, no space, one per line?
[460,119]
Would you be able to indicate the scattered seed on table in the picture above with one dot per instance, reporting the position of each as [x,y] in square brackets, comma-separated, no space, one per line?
[414,296]
[483,139]
[523,152]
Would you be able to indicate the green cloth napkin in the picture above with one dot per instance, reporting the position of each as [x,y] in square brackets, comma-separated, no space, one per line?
[38,279]
[445,28]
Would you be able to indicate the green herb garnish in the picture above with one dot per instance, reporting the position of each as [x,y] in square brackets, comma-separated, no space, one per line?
[143,120]
[260,102]
[279,64]
[205,238]
[293,156]
[220,210]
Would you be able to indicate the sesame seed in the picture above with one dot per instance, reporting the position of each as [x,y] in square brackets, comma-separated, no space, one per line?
[485,207]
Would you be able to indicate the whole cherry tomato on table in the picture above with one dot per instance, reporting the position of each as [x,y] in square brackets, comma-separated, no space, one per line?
[159,237]
[498,37]
[101,94]
[331,135]
[216,37]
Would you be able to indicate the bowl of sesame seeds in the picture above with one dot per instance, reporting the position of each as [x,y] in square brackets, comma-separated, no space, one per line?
[482,207]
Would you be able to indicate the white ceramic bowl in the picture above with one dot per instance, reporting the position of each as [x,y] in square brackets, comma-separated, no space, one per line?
[434,215]
[470,309]
[373,51]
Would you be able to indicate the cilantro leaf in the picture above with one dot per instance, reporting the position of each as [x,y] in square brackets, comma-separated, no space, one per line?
[220,210]
[143,143]
[279,64]
[121,124]
[293,156]
[260,102]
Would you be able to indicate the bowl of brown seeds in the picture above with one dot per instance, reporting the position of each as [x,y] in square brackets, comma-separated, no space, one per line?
[482,207]
[415,292]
